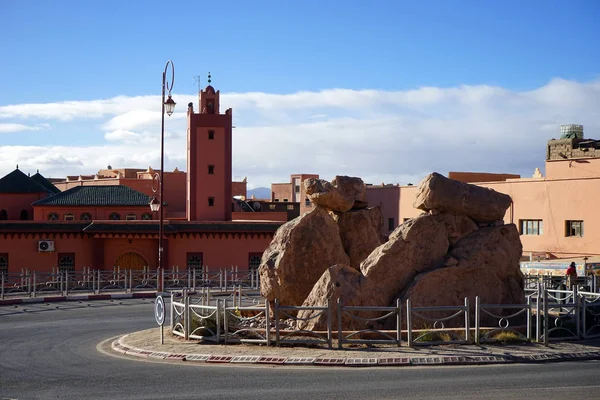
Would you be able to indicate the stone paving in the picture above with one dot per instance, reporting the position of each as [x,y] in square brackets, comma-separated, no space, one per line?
[146,344]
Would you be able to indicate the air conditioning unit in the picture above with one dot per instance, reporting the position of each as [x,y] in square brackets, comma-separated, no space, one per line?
[46,245]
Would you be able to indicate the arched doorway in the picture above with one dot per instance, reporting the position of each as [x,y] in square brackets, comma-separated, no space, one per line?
[131,260]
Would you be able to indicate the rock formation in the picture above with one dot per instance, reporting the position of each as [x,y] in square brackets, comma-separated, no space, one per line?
[458,248]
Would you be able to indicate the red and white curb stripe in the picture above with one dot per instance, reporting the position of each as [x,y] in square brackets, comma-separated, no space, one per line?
[118,345]
[85,297]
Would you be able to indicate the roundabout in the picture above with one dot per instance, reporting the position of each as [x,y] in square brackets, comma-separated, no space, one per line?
[51,350]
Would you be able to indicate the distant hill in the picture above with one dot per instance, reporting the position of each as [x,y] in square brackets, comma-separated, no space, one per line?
[261,193]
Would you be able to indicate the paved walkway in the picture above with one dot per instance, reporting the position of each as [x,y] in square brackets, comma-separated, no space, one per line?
[146,344]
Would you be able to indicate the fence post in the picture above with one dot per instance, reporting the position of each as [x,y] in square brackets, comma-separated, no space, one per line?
[467,321]
[219,308]
[2,286]
[538,316]
[477,318]
[528,318]
[276,322]
[408,323]
[329,323]
[172,312]
[66,280]
[34,283]
[577,310]
[268,321]
[340,334]
[125,280]
[98,281]
[398,322]
[186,313]
[546,318]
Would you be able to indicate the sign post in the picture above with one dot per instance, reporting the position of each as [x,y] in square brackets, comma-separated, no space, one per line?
[159,315]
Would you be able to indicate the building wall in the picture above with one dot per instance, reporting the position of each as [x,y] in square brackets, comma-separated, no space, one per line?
[218,250]
[281,191]
[22,250]
[239,189]
[305,206]
[260,216]
[98,213]
[473,177]
[387,198]
[14,203]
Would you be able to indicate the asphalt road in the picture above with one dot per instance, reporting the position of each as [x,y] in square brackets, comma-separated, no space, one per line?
[49,351]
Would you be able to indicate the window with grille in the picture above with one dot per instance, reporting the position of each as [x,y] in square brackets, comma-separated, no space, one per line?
[3,263]
[146,216]
[130,217]
[24,215]
[307,202]
[3,215]
[53,217]
[85,217]
[574,228]
[254,261]
[69,217]
[114,216]
[211,169]
[66,261]
[211,135]
[211,201]
[195,261]
[531,227]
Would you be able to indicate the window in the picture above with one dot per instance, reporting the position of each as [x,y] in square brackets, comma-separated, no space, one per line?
[531,227]
[3,263]
[272,206]
[69,217]
[574,229]
[130,217]
[211,135]
[307,202]
[285,200]
[211,201]
[211,169]
[146,216]
[24,215]
[3,215]
[66,261]
[254,261]
[297,188]
[195,261]
[290,206]
[85,217]
[114,216]
[276,200]
[391,224]
[53,217]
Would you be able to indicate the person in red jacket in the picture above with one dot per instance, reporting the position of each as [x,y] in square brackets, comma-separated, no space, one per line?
[571,275]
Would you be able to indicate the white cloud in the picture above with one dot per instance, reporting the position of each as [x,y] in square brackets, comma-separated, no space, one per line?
[13,128]
[381,136]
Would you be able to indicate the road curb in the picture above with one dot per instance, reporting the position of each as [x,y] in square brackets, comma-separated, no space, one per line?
[78,297]
[119,346]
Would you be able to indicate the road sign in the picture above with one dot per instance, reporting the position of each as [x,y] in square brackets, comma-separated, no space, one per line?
[159,310]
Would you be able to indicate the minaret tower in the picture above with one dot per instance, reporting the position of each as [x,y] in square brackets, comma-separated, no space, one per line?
[209,159]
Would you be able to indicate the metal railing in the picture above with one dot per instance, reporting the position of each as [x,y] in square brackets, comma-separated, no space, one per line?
[223,317]
[64,282]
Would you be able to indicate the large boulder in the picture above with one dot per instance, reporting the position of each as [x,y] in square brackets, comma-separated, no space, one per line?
[437,192]
[352,188]
[300,252]
[324,194]
[417,245]
[360,231]
[485,264]
[338,282]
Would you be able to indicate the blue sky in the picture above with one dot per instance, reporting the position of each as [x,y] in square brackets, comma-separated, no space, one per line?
[79,51]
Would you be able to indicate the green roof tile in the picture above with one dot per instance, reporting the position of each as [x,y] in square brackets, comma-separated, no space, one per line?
[115,195]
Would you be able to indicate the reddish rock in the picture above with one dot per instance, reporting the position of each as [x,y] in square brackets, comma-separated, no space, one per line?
[324,194]
[300,252]
[360,231]
[437,192]
[352,188]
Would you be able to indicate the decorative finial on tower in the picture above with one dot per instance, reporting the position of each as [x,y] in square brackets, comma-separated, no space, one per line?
[209,80]
[17,166]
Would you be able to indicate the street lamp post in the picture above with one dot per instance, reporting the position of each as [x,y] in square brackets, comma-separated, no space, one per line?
[168,106]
